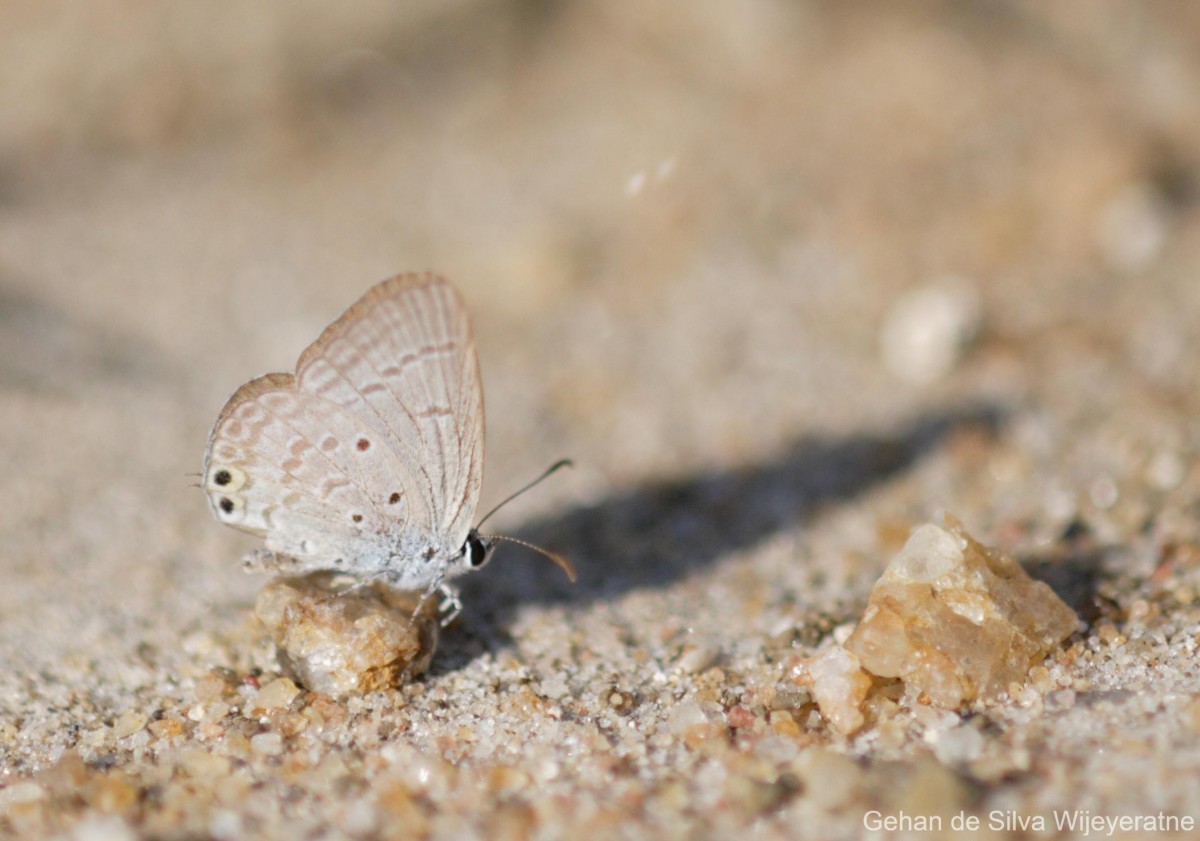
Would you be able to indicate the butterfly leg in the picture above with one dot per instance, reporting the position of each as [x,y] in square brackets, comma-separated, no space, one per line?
[264,560]
[450,605]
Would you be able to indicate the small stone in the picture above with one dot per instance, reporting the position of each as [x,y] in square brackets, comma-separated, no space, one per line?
[788,696]
[204,764]
[554,687]
[266,744]
[619,701]
[926,330]
[109,793]
[340,641]
[1166,470]
[1132,227]
[740,716]
[839,686]
[211,687]
[215,711]
[1109,635]
[21,792]
[1190,716]
[1140,610]
[102,828]
[956,621]
[783,724]
[166,728]
[225,824]
[513,821]
[927,787]
[1040,678]
[70,772]
[1060,700]
[958,745]
[699,736]
[504,780]
[685,716]
[697,658]
[831,781]
[278,693]
[235,744]
[129,723]
[401,808]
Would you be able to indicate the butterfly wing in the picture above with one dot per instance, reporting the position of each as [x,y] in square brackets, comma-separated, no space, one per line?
[370,458]
[283,464]
[403,360]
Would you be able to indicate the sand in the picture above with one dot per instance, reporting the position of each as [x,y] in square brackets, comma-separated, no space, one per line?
[690,237]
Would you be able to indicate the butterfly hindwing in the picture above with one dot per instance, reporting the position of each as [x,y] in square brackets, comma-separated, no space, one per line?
[281,464]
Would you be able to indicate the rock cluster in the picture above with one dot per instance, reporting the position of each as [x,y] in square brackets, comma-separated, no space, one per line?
[340,640]
[952,619]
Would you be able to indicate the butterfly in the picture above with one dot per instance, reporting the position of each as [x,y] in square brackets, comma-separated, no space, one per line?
[369,458]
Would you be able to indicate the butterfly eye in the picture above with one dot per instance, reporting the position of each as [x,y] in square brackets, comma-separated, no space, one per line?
[477,551]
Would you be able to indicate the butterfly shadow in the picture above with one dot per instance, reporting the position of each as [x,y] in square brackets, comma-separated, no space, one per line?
[664,530]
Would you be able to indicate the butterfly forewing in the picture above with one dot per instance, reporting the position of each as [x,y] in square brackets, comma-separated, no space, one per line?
[403,359]
[372,454]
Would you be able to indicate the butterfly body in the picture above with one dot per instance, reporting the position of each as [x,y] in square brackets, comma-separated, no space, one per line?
[369,458]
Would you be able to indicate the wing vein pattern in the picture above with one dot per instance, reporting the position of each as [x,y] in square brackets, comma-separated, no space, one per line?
[371,455]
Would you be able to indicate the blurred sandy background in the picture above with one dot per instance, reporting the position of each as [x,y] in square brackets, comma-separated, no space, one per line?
[682,230]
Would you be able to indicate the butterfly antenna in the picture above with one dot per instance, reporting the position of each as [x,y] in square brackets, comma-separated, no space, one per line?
[563,563]
[558,465]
